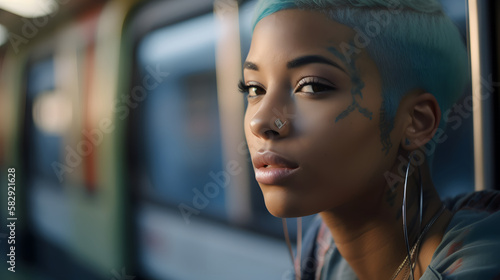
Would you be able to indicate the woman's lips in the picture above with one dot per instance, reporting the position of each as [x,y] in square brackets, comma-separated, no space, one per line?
[273,175]
[272,168]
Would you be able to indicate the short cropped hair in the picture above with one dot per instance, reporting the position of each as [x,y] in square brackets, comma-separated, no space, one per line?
[412,42]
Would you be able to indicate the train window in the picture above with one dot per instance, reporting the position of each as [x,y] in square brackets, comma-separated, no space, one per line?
[181,134]
[44,122]
[48,115]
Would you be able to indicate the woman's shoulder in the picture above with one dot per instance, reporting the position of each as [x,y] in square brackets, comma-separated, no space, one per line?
[470,248]
[482,201]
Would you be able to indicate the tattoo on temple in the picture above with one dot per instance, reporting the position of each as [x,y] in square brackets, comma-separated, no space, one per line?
[386,126]
[358,85]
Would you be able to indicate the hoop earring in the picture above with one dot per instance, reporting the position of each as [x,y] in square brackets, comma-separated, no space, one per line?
[414,250]
[404,209]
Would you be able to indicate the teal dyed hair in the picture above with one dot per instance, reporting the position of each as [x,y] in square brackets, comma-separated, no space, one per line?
[412,42]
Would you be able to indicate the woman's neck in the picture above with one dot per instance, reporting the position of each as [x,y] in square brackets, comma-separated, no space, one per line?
[368,231]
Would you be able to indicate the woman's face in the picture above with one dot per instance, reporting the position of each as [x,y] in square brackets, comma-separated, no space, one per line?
[302,71]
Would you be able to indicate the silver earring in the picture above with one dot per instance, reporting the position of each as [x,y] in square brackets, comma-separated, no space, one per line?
[404,210]
[279,123]
[413,252]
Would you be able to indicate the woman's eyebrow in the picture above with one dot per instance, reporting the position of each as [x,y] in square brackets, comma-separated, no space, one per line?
[298,62]
[250,66]
[303,60]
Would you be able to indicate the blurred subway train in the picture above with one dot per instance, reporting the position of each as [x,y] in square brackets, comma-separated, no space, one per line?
[122,153]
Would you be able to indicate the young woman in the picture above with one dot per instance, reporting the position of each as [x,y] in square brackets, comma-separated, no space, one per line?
[342,97]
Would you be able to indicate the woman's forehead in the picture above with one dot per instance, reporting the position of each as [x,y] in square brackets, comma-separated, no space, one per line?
[289,34]
[303,28]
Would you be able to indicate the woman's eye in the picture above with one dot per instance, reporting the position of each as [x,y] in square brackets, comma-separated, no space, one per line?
[255,90]
[313,86]
[251,90]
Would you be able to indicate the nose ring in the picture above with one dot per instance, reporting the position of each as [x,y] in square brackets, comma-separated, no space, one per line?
[279,123]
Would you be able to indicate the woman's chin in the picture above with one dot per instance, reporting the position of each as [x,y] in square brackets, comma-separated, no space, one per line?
[283,213]
[285,206]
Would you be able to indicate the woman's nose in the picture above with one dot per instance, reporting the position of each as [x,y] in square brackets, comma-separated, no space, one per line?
[271,120]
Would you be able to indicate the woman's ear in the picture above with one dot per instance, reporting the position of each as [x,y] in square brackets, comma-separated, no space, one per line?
[425,116]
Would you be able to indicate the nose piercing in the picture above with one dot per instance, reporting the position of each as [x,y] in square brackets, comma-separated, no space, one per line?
[279,123]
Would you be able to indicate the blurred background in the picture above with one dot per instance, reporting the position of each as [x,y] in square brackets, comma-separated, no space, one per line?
[123,123]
